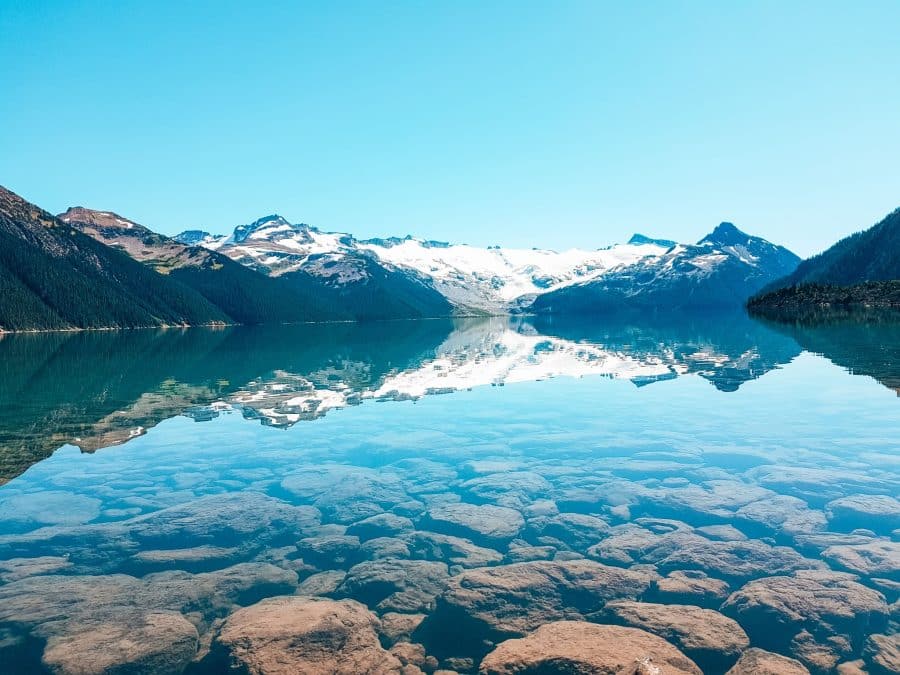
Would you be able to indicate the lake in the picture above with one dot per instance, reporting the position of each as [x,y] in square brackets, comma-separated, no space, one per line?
[722,482]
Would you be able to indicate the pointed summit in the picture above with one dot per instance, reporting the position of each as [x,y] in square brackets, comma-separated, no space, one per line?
[726,234]
[270,228]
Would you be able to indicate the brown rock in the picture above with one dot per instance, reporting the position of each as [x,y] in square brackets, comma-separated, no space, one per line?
[577,647]
[712,640]
[396,627]
[152,642]
[691,587]
[288,635]
[484,524]
[827,604]
[394,585]
[760,662]
[883,653]
[877,557]
[494,603]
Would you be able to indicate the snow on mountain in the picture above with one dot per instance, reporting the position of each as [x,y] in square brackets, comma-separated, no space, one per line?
[495,352]
[496,277]
[723,269]
[485,279]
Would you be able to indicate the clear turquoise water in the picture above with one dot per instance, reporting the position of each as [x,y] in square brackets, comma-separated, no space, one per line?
[687,420]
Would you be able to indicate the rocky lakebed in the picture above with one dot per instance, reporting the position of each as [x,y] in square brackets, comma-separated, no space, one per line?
[491,566]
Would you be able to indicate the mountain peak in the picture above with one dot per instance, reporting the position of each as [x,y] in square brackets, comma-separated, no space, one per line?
[268,227]
[102,219]
[725,234]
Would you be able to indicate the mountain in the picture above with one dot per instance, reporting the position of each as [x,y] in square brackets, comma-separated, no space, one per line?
[433,277]
[333,266]
[53,276]
[242,294]
[840,274]
[721,270]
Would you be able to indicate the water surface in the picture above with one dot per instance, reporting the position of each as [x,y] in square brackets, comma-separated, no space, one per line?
[188,473]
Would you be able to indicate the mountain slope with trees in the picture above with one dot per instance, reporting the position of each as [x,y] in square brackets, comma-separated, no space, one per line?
[54,277]
[862,269]
[243,294]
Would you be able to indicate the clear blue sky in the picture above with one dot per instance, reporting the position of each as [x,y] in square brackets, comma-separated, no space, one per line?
[551,124]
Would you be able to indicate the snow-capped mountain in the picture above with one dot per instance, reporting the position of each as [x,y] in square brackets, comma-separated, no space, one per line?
[723,269]
[488,280]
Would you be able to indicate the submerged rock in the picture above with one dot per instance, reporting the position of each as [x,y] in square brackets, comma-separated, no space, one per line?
[58,608]
[142,642]
[774,610]
[494,603]
[288,635]
[484,524]
[574,530]
[20,568]
[329,550]
[876,557]
[882,652]
[345,493]
[198,559]
[682,549]
[691,587]
[567,647]
[877,512]
[712,640]
[449,549]
[381,525]
[756,661]
[394,585]
[321,583]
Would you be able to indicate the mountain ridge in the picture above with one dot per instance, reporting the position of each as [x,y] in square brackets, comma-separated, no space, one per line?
[722,269]
[54,277]
[861,269]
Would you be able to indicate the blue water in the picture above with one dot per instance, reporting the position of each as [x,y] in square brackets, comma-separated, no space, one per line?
[678,428]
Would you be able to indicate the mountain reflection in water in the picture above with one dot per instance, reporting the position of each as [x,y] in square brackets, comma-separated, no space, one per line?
[97,389]
[745,482]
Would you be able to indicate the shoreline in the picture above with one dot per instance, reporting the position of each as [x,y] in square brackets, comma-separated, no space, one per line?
[75,329]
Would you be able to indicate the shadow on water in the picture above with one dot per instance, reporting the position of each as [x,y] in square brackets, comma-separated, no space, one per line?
[863,341]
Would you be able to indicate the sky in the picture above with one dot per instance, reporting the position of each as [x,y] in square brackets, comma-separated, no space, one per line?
[549,124]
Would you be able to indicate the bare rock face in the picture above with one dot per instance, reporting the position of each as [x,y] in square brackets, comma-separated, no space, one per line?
[152,642]
[484,524]
[775,610]
[760,662]
[288,635]
[580,648]
[712,640]
[486,605]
